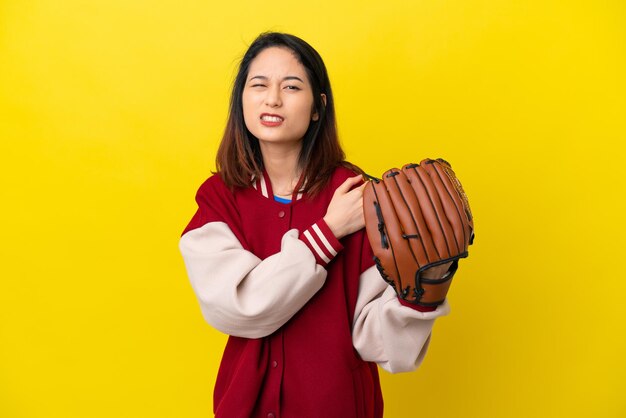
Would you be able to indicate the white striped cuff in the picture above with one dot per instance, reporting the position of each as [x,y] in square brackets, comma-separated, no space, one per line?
[322,242]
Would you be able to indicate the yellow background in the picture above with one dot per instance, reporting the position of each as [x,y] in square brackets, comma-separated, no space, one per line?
[110,114]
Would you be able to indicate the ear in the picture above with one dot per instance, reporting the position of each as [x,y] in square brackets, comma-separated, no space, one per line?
[315,117]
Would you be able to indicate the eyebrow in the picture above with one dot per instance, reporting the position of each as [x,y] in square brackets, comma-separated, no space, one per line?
[289,77]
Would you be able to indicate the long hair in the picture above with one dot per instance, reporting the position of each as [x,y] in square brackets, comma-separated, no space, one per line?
[239,156]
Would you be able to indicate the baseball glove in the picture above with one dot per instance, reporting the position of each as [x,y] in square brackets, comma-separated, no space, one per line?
[416,218]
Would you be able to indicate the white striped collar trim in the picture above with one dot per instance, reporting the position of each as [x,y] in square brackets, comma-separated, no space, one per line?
[261,184]
[264,185]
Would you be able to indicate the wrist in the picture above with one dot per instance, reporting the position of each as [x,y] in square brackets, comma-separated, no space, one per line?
[336,230]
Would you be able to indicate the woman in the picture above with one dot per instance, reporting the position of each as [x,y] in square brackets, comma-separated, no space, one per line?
[278,257]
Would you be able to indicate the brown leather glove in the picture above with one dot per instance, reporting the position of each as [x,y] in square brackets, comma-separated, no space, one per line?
[416,218]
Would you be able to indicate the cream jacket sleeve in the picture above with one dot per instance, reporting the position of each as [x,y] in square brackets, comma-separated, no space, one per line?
[386,332]
[232,284]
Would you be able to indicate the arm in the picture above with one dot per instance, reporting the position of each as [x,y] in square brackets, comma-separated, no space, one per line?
[242,295]
[386,332]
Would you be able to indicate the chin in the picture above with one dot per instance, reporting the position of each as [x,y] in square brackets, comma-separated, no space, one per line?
[278,140]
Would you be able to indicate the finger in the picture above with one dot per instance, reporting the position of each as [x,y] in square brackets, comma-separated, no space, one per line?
[440,230]
[451,200]
[454,185]
[393,227]
[412,219]
[348,184]
[406,226]
[377,231]
[358,190]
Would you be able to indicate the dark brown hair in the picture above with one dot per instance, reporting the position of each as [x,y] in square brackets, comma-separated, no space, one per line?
[239,155]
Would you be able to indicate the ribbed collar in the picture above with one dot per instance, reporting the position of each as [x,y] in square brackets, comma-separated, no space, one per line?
[263,185]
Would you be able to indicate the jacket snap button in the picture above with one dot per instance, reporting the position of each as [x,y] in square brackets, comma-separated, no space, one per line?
[270,415]
[281,214]
[274,364]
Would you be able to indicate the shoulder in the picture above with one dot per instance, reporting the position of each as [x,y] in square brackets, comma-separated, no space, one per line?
[341,173]
[216,203]
[213,183]
[214,189]
[214,192]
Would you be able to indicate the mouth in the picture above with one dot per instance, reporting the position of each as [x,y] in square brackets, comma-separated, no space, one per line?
[268,119]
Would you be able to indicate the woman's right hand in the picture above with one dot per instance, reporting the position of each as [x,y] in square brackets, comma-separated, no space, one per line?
[345,211]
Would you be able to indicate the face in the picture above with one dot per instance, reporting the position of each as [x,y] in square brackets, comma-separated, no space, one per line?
[277,98]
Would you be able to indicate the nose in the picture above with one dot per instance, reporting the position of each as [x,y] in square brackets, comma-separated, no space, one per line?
[272,99]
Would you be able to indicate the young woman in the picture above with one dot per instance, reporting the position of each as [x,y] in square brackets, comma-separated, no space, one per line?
[279,260]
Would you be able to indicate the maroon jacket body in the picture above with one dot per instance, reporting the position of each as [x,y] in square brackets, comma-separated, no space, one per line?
[308,368]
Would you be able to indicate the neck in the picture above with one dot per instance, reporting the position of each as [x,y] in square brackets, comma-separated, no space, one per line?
[281,164]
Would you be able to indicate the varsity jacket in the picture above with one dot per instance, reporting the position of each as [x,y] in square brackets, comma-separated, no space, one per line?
[308,315]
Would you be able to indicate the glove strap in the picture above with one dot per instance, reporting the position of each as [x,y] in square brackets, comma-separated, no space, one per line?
[432,292]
